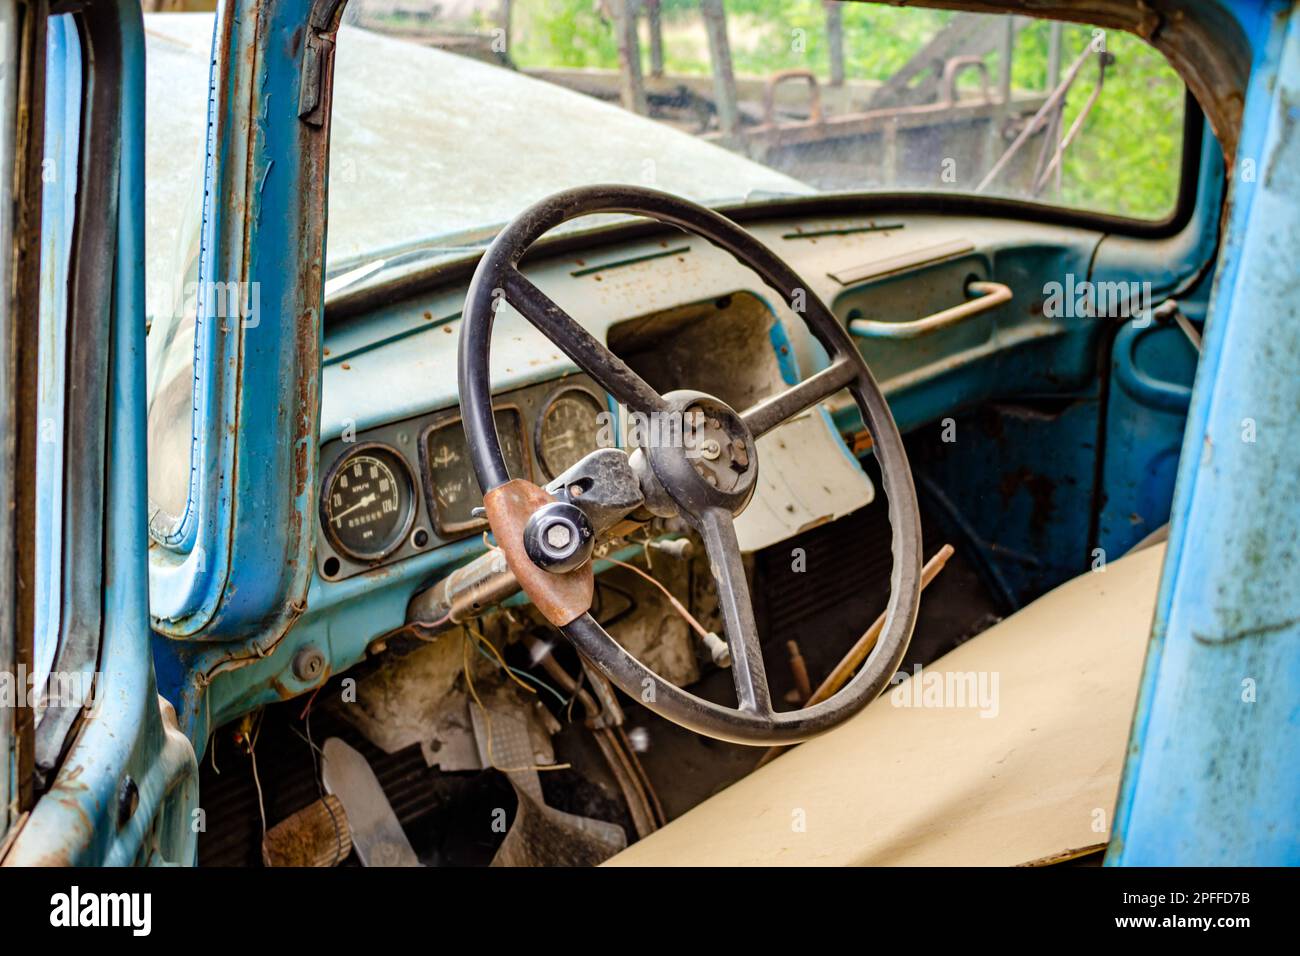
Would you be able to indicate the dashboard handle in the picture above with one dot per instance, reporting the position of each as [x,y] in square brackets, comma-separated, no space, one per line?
[987,295]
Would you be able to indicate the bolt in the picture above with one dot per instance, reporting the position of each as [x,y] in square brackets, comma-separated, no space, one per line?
[558,536]
[710,448]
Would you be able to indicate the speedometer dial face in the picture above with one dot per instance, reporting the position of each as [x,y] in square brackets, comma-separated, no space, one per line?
[569,429]
[367,504]
[453,490]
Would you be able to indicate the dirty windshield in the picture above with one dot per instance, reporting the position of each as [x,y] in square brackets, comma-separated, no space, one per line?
[452,116]
[744,100]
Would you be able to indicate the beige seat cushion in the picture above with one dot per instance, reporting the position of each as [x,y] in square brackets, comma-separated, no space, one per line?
[1033,781]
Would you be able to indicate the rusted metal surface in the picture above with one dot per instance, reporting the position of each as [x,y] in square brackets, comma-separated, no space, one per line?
[21,369]
[815,113]
[561,598]
[317,835]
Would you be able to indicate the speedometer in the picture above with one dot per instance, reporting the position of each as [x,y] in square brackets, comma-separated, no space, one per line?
[366,502]
[569,429]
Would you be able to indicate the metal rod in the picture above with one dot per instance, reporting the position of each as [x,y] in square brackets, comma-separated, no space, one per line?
[1032,126]
[654,20]
[632,92]
[1055,32]
[859,651]
[1006,47]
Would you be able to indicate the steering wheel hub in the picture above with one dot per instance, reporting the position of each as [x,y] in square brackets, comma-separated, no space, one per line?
[702,453]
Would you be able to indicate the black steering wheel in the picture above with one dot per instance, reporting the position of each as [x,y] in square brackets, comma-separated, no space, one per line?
[707,481]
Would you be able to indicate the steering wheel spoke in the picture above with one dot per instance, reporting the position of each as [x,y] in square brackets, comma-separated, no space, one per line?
[767,414]
[611,372]
[718,530]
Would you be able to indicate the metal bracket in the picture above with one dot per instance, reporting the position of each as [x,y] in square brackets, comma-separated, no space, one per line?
[317,59]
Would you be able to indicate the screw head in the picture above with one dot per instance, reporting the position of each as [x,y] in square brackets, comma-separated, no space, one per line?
[558,536]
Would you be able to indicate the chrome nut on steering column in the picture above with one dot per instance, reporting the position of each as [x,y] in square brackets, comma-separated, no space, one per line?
[558,537]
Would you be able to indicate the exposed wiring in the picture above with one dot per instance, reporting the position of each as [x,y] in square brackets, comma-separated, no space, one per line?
[306,710]
[320,787]
[250,741]
[522,673]
[430,625]
[482,642]
[487,715]
[261,807]
[677,605]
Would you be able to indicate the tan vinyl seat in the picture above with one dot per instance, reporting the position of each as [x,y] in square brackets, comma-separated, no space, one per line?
[908,784]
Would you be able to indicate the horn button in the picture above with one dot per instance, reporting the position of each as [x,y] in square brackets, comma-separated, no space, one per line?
[701,451]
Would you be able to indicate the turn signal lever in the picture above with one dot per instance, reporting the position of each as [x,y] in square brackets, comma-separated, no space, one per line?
[592,498]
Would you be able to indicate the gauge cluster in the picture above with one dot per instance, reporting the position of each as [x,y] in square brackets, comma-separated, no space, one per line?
[405,488]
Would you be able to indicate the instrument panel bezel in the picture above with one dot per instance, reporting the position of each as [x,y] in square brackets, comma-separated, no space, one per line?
[407,439]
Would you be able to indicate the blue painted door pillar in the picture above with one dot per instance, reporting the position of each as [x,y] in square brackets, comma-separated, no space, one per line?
[1213,769]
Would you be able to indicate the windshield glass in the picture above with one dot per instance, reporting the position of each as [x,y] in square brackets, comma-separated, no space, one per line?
[450,117]
[728,102]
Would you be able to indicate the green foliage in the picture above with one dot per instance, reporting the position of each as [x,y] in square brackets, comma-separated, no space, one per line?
[562,33]
[1125,160]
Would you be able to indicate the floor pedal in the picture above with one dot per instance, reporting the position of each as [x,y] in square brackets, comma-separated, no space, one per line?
[540,835]
[376,834]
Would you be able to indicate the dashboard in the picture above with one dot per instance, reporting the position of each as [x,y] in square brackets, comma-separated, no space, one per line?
[397,490]
[397,493]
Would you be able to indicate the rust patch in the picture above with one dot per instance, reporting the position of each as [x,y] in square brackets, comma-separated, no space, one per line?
[561,598]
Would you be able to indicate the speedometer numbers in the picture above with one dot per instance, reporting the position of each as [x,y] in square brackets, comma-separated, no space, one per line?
[367,503]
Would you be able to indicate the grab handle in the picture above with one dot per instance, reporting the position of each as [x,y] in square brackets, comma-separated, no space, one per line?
[987,295]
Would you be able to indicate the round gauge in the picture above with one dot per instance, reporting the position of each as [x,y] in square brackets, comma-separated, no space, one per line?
[366,502]
[569,429]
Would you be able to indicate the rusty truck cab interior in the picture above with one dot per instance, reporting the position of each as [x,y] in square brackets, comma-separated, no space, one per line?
[666,433]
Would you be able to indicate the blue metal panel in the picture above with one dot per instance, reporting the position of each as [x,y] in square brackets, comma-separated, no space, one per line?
[77,821]
[1151,388]
[58,206]
[1213,770]
[245,575]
